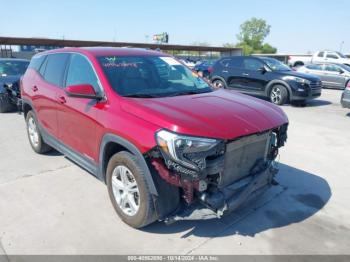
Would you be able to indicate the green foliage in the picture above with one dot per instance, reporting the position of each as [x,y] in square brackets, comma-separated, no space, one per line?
[268,49]
[252,35]
[229,45]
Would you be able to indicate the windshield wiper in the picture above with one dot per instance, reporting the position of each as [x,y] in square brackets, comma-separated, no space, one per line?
[141,95]
[189,92]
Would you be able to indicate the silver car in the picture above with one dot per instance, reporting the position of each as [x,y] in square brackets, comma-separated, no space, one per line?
[331,75]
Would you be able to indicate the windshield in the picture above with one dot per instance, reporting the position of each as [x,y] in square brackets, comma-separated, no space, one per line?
[11,67]
[276,65]
[151,76]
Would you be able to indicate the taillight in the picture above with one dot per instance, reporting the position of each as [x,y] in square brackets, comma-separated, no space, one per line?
[348,86]
[210,69]
[289,58]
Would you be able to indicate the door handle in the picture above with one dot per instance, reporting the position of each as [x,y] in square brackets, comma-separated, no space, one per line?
[245,74]
[61,99]
[34,88]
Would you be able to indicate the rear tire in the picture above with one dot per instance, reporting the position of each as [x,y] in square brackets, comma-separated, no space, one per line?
[217,83]
[130,196]
[278,95]
[35,139]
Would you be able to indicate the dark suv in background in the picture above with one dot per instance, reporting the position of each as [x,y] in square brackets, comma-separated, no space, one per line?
[265,77]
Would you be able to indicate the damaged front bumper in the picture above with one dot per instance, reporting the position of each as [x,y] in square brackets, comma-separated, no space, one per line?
[233,172]
[235,195]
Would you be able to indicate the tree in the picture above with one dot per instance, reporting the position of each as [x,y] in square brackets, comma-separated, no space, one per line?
[229,45]
[252,35]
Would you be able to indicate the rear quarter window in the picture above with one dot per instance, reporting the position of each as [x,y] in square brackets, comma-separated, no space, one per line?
[36,62]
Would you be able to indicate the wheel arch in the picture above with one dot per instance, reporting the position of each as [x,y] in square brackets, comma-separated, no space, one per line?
[112,144]
[298,63]
[216,77]
[278,82]
[26,107]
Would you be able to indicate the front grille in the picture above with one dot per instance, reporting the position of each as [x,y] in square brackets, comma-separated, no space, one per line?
[316,85]
[242,155]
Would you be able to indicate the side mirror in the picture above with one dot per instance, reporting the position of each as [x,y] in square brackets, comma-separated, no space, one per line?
[262,70]
[82,91]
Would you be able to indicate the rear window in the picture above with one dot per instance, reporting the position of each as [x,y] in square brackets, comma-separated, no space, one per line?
[55,66]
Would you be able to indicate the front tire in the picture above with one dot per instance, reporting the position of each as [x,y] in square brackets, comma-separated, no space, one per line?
[128,190]
[35,139]
[278,95]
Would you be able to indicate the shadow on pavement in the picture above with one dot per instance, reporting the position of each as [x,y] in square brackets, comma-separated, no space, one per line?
[317,102]
[299,196]
[53,152]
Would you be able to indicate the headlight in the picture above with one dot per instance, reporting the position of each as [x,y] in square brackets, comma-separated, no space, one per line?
[186,150]
[297,79]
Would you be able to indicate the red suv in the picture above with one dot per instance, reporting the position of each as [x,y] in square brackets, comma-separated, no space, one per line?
[168,146]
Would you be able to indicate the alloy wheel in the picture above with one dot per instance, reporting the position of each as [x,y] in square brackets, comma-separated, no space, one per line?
[218,84]
[125,190]
[276,95]
[33,132]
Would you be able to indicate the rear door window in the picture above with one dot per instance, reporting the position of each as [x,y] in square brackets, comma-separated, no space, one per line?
[321,54]
[332,68]
[314,67]
[55,67]
[252,64]
[235,62]
[225,62]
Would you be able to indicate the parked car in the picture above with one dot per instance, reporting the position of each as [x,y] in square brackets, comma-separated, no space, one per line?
[345,97]
[319,57]
[168,146]
[204,67]
[188,63]
[265,77]
[11,71]
[331,75]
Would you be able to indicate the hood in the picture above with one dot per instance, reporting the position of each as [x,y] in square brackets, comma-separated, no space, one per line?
[220,114]
[309,77]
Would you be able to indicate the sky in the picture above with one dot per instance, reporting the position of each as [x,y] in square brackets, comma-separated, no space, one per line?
[297,26]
